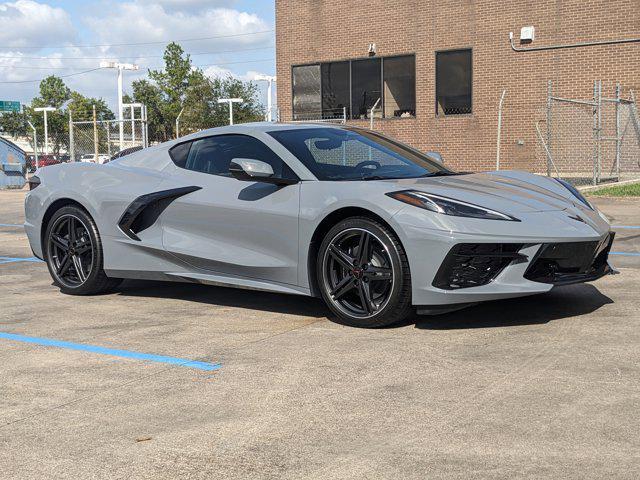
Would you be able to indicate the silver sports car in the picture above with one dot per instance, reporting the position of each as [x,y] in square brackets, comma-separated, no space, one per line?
[372,226]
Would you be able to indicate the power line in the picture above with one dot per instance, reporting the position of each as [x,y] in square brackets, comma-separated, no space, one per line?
[158,42]
[132,56]
[61,76]
[100,68]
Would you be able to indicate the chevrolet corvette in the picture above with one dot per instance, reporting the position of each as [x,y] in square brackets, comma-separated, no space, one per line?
[375,228]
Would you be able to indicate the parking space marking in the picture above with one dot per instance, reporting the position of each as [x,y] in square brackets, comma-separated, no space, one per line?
[11,225]
[19,259]
[627,254]
[48,342]
[633,227]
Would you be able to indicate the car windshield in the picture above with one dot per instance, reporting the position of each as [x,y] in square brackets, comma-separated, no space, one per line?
[354,154]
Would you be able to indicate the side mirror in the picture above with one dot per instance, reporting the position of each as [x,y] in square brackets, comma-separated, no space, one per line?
[248,169]
[436,156]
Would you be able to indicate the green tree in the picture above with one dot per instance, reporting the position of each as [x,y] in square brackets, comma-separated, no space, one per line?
[14,124]
[53,93]
[181,87]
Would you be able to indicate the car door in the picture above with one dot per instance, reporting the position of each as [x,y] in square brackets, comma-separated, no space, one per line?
[229,226]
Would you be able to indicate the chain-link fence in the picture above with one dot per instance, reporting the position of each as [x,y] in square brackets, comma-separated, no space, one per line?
[590,141]
[97,140]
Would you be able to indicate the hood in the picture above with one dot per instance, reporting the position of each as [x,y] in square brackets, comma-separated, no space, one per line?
[503,193]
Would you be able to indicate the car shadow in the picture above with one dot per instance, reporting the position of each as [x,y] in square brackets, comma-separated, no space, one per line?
[228,297]
[559,303]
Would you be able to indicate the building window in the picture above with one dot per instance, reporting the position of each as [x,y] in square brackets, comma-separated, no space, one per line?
[400,86]
[366,87]
[306,92]
[333,89]
[453,82]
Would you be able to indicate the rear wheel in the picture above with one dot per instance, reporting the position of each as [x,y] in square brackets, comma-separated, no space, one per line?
[73,253]
[363,274]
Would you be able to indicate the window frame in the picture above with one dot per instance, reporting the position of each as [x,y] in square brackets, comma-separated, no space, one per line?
[192,140]
[350,61]
[435,81]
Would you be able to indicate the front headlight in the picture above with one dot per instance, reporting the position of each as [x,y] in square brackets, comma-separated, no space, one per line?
[575,192]
[448,206]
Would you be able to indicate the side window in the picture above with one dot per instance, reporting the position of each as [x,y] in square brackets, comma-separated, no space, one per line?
[213,155]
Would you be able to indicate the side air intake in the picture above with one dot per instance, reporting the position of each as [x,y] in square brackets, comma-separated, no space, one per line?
[145,210]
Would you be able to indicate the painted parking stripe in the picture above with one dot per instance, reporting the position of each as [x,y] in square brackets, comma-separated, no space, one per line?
[631,227]
[19,259]
[627,254]
[48,342]
[11,225]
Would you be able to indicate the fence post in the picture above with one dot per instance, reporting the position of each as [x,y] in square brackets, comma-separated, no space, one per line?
[95,134]
[549,105]
[72,147]
[596,172]
[504,92]
[618,133]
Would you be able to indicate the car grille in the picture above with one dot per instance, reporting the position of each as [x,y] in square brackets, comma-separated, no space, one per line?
[475,264]
[572,262]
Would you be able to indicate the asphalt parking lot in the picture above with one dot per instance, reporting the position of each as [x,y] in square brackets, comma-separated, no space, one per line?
[541,387]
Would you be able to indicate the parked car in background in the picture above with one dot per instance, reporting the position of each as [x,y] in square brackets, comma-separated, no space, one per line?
[103,158]
[88,157]
[125,152]
[46,160]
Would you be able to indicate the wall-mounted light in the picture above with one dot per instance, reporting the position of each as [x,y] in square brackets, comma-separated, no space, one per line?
[372,49]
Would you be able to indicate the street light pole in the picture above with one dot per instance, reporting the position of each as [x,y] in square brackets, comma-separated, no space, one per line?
[230,101]
[120,67]
[270,80]
[46,128]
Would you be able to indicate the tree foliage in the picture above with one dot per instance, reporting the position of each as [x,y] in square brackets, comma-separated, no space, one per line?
[180,87]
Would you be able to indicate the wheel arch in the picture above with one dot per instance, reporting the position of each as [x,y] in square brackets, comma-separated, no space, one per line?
[52,209]
[323,228]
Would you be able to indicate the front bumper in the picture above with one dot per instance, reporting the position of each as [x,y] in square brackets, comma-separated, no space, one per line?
[512,276]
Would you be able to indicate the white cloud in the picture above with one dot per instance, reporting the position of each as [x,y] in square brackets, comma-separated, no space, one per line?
[142,22]
[28,23]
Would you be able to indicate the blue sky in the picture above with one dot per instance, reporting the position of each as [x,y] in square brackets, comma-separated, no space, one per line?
[41,37]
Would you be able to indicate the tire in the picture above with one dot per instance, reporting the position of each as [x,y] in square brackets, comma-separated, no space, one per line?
[363,274]
[71,245]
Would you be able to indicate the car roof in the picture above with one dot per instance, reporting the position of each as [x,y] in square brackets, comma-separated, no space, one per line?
[256,127]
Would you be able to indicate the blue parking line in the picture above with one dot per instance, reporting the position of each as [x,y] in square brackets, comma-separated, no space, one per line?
[48,342]
[628,254]
[11,225]
[19,259]
[632,227]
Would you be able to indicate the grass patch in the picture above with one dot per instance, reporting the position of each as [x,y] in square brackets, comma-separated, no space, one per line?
[628,190]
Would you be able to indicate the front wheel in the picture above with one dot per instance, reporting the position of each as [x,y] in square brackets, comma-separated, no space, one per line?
[363,274]
[73,253]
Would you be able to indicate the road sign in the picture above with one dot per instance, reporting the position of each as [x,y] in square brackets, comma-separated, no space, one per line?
[9,106]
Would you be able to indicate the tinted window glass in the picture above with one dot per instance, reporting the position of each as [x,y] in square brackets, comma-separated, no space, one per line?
[366,86]
[213,155]
[306,92]
[353,154]
[453,82]
[400,86]
[335,89]
[179,154]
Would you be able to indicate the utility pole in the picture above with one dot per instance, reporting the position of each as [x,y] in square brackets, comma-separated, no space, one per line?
[230,101]
[35,143]
[120,67]
[270,80]
[46,132]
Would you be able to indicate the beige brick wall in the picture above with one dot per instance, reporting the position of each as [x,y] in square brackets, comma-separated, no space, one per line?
[327,30]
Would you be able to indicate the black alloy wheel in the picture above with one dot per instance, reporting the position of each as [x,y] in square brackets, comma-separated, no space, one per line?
[364,274]
[71,251]
[74,253]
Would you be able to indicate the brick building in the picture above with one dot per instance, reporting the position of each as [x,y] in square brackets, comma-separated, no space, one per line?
[440,68]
